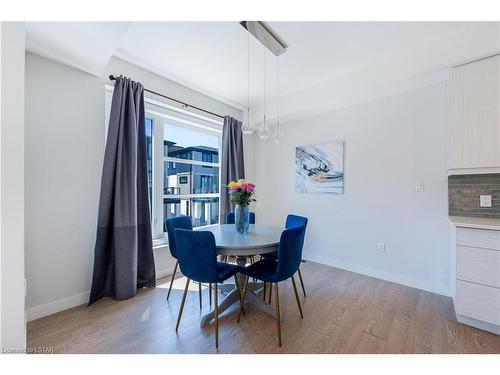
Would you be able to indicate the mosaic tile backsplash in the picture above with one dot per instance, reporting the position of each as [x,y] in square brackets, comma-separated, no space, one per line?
[464,192]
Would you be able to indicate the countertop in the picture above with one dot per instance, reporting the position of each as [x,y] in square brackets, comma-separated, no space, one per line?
[475,222]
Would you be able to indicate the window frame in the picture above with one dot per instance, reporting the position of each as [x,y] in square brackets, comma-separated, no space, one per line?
[159,122]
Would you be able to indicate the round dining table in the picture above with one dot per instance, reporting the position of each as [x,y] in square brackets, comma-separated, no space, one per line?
[259,239]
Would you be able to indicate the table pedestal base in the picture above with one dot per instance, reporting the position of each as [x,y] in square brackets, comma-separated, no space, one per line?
[252,296]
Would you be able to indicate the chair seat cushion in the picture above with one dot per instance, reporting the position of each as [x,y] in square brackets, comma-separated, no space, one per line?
[226,270]
[264,270]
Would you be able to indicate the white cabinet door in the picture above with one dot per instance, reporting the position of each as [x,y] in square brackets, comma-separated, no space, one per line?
[474,126]
[480,266]
[478,302]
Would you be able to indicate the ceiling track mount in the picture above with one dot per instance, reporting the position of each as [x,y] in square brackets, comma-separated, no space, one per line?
[264,34]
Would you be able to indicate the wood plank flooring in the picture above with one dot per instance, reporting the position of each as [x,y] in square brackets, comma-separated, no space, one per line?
[344,312]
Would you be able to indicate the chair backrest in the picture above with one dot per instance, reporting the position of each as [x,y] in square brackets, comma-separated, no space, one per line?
[230,218]
[290,252]
[295,221]
[197,255]
[182,222]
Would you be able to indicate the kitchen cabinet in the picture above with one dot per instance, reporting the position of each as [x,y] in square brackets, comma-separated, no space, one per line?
[474,118]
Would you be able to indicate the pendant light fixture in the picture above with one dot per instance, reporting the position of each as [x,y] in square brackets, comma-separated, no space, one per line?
[265,35]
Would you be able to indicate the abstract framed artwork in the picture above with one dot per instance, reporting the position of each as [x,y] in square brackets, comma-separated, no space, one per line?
[320,168]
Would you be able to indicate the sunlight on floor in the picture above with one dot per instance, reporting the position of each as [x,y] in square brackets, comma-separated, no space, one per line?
[146,314]
[180,284]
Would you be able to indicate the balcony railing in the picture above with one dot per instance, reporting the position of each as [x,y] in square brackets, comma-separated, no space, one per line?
[171,190]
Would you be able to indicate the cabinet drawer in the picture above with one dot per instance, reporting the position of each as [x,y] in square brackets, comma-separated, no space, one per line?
[478,302]
[487,239]
[478,265]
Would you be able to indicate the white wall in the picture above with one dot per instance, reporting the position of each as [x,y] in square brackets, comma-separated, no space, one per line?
[12,260]
[390,143]
[64,154]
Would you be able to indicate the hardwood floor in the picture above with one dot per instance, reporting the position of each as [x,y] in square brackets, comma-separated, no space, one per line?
[344,312]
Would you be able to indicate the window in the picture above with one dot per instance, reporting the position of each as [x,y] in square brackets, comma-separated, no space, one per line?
[191,173]
[149,148]
[184,170]
[206,157]
[183,164]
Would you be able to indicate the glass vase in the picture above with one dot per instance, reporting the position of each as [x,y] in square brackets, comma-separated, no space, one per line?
[242,218]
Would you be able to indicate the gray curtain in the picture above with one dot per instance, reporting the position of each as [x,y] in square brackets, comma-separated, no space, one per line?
[232,163]
[123,255]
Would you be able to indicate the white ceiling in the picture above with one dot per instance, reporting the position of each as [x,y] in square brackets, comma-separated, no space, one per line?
[84,45]
[212,56]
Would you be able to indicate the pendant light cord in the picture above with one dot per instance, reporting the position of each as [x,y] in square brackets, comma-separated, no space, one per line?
[278,93]
[264,124]
[248,78]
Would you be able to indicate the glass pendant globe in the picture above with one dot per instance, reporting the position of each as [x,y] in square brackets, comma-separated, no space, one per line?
[264,131]
[247,128]
[276,135]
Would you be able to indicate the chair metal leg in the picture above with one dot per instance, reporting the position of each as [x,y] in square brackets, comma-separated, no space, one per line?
[270,292]
[173,277]
[210,293]
[216,313]
[199,293]
[264,291]
[252,261]
[278,319]
[239,293]
[182,305]
[302,283]
[245,287]
[297,297]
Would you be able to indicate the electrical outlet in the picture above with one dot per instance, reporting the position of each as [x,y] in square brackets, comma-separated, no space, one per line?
[485,201]
[381,247]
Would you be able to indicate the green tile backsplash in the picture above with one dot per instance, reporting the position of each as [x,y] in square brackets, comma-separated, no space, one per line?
[464,191]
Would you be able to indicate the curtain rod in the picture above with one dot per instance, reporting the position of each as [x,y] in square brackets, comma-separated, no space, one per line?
[113,78]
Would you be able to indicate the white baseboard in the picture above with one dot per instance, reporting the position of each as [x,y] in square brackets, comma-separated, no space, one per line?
[50,308]
[479,324]
[164,272]
[378,274]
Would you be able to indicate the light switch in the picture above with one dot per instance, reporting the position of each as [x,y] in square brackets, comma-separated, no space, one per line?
[485,200]
[419,186]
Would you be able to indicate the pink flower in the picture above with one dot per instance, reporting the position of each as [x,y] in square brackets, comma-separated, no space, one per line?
[250,188]
[233,189]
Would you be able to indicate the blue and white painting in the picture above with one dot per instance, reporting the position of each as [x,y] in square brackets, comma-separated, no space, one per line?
[320,168]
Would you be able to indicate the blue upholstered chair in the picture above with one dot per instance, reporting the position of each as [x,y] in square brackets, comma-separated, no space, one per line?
[182,222]
[230,218]
[292,221]
[274,271]
[197,257]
